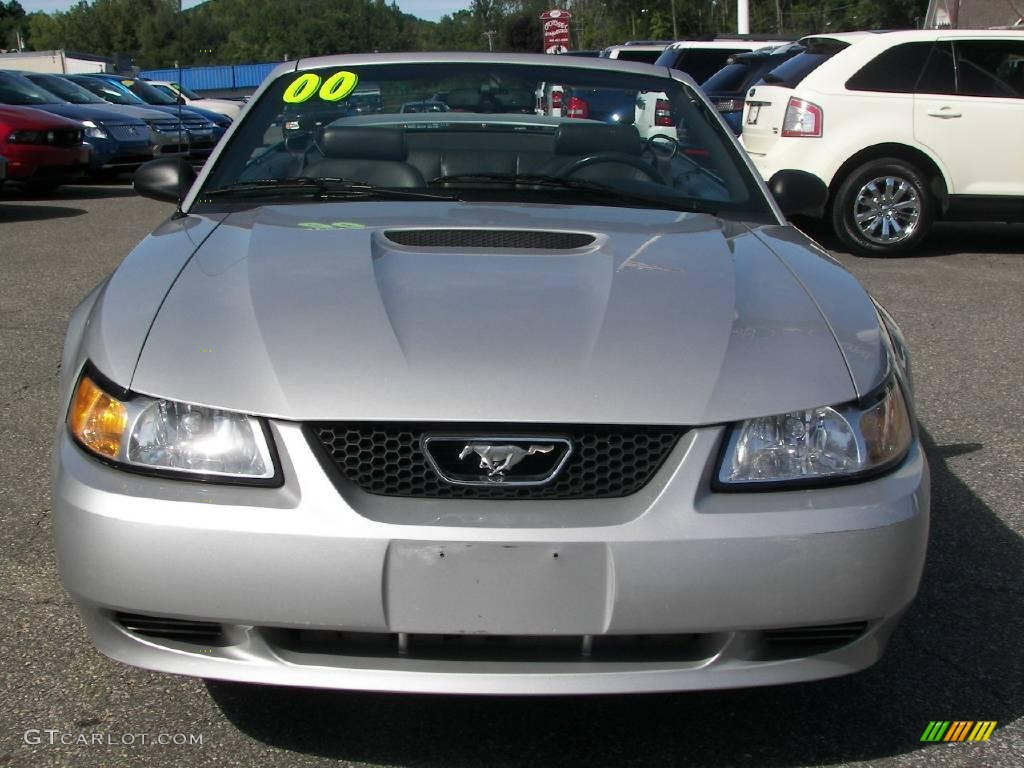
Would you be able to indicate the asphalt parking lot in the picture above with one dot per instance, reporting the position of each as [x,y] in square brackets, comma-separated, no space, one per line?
[957,656]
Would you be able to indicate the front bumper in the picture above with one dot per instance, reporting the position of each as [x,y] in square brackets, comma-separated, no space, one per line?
[196,146]
[306,584]
[28,162]
[116,155]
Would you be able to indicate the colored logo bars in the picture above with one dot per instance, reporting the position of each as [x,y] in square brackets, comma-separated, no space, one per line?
[958,730]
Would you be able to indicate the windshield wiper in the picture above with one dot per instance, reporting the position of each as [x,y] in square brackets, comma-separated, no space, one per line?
[592,188]
[321,188]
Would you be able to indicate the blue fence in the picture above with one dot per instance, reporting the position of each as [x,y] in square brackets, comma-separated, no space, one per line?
[214,78]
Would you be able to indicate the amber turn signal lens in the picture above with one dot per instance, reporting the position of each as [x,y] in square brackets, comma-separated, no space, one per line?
[97,420]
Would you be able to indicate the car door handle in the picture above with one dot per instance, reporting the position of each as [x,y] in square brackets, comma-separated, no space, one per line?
[945,113]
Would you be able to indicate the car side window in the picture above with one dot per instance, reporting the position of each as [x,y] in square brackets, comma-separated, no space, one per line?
[939,76]
[895,70]
[993,68]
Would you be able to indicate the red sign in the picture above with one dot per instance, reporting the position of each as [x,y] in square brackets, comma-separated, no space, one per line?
[556,31]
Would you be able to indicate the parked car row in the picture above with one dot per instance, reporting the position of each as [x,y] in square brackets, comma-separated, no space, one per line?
[56,128]
[905,128]
[943,140]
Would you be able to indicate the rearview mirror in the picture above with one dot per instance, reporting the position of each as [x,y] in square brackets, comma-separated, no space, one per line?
[798,192]
[168,179]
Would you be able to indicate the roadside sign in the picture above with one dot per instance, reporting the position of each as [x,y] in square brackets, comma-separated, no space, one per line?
[556,30]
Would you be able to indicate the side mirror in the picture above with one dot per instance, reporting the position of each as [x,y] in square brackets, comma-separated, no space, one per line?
[167,179]
[798,192]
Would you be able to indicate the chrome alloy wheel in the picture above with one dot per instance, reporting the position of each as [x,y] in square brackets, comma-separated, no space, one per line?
[887,210]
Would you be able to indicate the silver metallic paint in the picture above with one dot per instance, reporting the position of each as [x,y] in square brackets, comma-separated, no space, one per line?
[300,555]
[670,318]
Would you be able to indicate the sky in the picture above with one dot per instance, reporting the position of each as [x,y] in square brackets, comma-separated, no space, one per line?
[432,10]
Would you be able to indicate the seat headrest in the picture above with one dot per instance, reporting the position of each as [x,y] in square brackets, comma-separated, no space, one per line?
[340,141]
[464,98]
[594,138]
[516,99]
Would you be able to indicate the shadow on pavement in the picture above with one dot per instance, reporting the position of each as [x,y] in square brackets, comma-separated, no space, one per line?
[956,656]
[71,192]
[13,213]
[945,239]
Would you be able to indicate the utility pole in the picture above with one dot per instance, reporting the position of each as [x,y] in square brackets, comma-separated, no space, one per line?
[743,17]
[489,34]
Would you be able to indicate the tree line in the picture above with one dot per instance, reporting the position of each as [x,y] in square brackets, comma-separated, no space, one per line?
[154,34]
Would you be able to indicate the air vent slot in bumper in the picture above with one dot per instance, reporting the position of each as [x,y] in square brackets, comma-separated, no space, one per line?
[797,642]
[489,238]
[181,630]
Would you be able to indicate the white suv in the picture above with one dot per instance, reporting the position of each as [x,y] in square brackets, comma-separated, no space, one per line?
[903,127]
[700,59]
[642,51]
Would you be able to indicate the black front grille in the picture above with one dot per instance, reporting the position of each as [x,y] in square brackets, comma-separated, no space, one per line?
[65,137]
[489,238]
[497,648]
[171,126]
[388,459]
[129,132]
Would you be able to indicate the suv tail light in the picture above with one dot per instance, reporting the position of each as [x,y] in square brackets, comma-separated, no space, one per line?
[662,112]
[802,119]
[577,108]
[556,99]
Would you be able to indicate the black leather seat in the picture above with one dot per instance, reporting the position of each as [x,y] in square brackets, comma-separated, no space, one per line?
[376,156]
[619,147]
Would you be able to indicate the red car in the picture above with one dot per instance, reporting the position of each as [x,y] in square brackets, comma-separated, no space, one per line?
[42,150]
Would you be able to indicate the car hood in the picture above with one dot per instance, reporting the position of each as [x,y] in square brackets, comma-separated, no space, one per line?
[311,312]
[97,112]
[31,117]
[223,106]
[142,112]
[207,114]
[168,109]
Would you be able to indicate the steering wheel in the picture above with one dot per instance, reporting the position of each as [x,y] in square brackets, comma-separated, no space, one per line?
[613,157]
[670,150]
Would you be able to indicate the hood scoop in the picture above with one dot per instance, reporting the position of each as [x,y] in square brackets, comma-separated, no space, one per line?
[489,239]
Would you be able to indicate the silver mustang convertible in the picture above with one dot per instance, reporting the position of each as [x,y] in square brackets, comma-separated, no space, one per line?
[498,397]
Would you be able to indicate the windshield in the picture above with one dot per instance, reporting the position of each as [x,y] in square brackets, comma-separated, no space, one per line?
[816,52]
[65,89]
[729,78]
[107,91]
[644,57]
[700,64]
[21,91]
[617,138]
[149,93]
[188,93]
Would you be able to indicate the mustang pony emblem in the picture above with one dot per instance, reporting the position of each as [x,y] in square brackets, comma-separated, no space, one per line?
[498,459]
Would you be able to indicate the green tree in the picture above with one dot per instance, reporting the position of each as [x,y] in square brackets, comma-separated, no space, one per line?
[13,23]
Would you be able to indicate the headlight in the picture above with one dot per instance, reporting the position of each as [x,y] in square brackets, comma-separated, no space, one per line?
[167,436]
[94,131]
[820,444]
